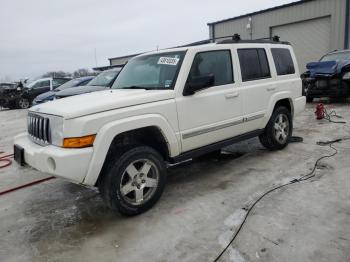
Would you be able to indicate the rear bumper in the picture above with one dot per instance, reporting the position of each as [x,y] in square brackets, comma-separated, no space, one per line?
[299,105]
[71,164]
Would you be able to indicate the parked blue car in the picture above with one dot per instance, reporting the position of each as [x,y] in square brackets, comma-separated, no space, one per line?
[102,81]
[329,77]
[49,96]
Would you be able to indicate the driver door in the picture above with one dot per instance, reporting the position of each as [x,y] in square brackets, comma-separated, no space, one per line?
[215,113]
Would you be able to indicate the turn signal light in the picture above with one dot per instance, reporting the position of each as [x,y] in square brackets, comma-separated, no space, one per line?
[79,142]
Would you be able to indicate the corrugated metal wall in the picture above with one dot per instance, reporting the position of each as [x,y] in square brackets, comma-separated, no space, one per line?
[263,23]
[311,39]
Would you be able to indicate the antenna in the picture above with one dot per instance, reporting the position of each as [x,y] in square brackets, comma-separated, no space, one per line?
[95,57]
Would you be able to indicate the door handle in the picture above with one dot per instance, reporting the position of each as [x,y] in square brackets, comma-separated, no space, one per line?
[272,88]
[232,95]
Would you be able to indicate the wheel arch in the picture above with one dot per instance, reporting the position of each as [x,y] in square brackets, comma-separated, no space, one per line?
[151,130]
[280,99]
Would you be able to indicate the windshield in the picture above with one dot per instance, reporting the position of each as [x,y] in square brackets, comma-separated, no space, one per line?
[336,57]
[68,84]
[105,78]
[158,71]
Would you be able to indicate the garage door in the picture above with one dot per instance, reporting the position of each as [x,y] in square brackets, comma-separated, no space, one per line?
[310,39]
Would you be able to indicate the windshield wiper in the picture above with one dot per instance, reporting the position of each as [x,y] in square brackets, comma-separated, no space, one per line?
[135,87]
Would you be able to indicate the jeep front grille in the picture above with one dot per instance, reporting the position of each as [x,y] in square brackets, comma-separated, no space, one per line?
[39,129]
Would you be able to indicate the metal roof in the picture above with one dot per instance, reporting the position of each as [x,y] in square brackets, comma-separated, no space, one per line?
[261,11]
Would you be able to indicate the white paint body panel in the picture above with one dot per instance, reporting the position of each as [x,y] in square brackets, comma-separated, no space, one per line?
[186,122]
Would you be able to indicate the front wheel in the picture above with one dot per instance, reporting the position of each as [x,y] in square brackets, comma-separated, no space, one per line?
[23,103]
[135,181]
[278,130]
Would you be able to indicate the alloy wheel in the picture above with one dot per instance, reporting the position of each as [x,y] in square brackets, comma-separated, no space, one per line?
[139,181]
[281,128]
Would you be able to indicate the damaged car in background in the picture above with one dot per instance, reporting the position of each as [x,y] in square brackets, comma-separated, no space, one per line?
[22,97]
[329,77]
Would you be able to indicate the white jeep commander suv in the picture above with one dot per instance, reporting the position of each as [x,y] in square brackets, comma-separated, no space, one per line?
[165,107]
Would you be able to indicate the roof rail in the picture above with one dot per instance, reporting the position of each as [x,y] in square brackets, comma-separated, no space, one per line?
[236,38]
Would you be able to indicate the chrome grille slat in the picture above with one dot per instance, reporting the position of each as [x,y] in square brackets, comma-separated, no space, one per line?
[40,125]
[45,129]
[39,129]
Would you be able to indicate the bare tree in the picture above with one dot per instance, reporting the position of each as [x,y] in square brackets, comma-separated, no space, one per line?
[57,74]
[83,72]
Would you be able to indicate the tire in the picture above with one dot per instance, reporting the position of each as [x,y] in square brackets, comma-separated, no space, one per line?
[277,137]
[23,103]
[128,190]
[309,99]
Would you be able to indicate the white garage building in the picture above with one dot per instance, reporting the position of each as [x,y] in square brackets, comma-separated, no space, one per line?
[314,27]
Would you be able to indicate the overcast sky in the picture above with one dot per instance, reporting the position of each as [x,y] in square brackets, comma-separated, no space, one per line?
[37,36]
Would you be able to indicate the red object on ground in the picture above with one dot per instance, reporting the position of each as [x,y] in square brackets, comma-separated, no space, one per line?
[6,159]
[26,185]
[8,162]
[320,110]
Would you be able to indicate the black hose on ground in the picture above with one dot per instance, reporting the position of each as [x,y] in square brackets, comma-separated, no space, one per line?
[304,178]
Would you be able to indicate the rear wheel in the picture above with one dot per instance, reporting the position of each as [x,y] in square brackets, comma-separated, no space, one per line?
[278,130]
[135,181]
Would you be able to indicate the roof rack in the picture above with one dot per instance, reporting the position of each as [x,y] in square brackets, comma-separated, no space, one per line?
[236,38]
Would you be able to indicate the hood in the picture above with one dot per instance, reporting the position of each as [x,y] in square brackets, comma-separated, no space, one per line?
[80,90]
[45,95]
[327,68]
[86,104]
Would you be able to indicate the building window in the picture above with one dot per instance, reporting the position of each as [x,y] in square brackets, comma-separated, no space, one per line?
[254,64]
[283,61]
[217,63]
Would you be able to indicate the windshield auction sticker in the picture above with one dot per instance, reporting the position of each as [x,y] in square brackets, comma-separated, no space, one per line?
[168,61]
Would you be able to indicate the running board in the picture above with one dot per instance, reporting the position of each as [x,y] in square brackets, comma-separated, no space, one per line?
[213,147]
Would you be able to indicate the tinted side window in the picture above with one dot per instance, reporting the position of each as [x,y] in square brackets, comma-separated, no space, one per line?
[218,63]
[254,64]
[283,61]
[58,82]
[41,84]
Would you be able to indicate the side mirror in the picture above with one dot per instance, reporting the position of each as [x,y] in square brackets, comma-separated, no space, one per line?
[198,83]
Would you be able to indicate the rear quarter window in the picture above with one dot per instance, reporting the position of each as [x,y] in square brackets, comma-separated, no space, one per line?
[283,61]
[254,64]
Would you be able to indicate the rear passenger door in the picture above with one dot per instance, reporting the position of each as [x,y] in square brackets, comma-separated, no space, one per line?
[256,83]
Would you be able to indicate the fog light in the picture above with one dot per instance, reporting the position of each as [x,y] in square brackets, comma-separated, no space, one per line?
[79,142]
[51,163]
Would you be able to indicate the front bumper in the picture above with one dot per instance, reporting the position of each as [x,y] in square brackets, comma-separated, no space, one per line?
[328,87]
[71,164]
